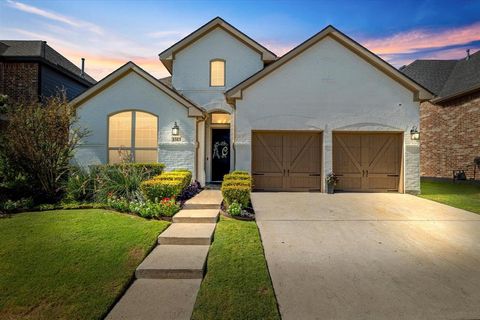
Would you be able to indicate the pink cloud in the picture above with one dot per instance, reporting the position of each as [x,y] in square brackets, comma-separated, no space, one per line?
[412,41]
[99,65]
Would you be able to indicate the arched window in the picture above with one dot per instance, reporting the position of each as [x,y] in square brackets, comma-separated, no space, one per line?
[217,73]
[132,136]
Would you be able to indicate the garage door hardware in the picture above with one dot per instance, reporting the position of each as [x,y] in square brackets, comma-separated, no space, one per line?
[314,175]
[258,174]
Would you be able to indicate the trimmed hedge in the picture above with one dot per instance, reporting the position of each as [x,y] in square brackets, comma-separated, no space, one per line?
[240,173]
[235,177]
[167,185]
[236,187]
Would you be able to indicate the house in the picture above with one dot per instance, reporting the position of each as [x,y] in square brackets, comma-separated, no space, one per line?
[450,123]
[328,104]
[30,70]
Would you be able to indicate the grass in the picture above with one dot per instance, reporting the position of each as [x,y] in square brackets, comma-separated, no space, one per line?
[69,264]
[463,196]
[237,284]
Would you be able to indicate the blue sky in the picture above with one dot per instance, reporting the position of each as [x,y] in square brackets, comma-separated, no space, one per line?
[109,33]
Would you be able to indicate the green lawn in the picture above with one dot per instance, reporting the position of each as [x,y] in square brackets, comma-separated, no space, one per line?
[237,284]
[463,196]
[69,264]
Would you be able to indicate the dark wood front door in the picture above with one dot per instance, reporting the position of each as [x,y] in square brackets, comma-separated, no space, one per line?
[220,153]
[367,161]
[286,161]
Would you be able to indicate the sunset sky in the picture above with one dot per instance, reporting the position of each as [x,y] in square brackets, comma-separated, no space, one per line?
[110,33]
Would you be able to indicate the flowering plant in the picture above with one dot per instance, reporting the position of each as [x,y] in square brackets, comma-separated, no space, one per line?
[148,209]
[168,207]
[332,179]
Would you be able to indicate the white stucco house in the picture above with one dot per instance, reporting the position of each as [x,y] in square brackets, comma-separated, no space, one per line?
[327,105]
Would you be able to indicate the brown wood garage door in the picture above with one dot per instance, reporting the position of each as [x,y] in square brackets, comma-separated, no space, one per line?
[286,161]
[368,162]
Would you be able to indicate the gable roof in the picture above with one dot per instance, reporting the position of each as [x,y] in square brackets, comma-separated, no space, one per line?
[420,92]
[40,50]
[129,67]
[448,79]
[167,56]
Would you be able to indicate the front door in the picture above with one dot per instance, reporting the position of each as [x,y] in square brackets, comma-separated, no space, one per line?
[220,153]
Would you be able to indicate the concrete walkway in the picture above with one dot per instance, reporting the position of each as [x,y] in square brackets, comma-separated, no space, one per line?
[170,276]
[370,256]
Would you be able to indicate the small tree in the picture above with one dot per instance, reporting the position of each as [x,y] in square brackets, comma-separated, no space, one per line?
[40,141]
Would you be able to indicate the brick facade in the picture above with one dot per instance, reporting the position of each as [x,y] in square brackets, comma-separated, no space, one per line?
[19,80]
[450,136]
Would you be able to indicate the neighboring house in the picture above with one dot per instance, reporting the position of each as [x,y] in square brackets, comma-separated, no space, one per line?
[30,70]
[328,104]
[449,123]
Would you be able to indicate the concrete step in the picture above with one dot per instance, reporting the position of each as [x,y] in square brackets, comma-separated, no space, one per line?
[196,216]
[207,199]
[174,262]
[188,234]
[152,299]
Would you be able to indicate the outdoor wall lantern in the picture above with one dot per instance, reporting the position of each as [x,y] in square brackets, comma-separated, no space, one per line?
[176,132]
[414,134]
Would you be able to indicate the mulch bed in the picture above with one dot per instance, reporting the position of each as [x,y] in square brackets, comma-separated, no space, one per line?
[249,210]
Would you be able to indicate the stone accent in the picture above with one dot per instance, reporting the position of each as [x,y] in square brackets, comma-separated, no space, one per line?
[412,167]
[450,136]
[19,80]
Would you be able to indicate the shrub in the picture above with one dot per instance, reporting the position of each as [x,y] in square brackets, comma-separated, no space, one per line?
[80,185]
[233,176]
[235,209]
[236,187]
[190,191]
[238,193]
[21,204]
[240,173]
[39,142]
[167,185]
[123,180]
[236,182]
[150,169]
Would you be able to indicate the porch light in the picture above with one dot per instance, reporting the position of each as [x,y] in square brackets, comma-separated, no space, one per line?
[414,134]
[175,130]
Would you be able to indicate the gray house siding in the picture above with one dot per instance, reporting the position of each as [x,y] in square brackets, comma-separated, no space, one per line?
[51,81]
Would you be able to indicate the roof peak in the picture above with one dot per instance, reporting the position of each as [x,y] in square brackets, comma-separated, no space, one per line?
[167,55]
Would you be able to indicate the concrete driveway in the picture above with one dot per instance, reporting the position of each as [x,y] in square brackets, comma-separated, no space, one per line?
[370,256]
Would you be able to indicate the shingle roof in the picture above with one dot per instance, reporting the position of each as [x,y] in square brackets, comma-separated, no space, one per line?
[446,78]
[40,49]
